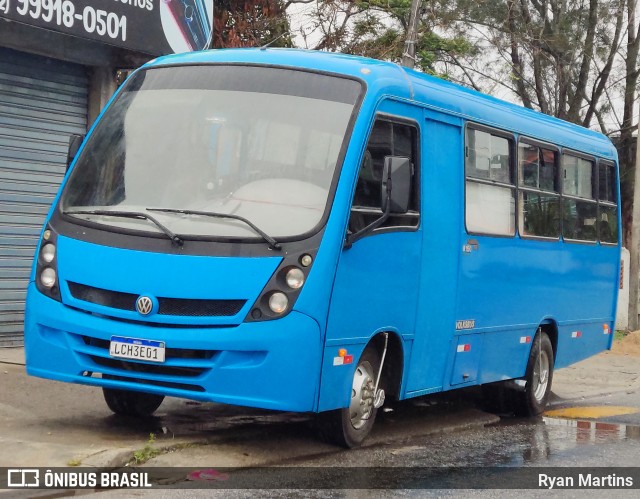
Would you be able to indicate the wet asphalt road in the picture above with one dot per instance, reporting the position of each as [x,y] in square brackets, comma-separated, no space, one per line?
[542,442]
[548,442]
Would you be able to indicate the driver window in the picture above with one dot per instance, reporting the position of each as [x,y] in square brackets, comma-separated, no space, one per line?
[387,138]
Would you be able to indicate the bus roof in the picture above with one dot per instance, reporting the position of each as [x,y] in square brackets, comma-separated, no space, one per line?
[386,78]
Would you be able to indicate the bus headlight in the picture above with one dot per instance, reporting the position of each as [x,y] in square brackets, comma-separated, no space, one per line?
[279,295]
[278,302]
[46,272]
[48,277]
[295,278]
[48,252]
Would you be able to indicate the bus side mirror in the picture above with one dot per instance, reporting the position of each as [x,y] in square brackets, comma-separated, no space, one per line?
[396,184]
[75,141]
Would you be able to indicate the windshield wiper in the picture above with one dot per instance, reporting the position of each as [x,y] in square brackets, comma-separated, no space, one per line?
[131,214]
[273,244]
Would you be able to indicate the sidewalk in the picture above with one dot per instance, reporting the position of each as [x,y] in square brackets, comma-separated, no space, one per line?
[605,373]
[46,423]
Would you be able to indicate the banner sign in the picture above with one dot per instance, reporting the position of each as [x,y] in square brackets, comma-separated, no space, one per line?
[154,27]
[325,478]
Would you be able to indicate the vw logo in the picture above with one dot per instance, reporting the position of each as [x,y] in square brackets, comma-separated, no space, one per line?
[144,305]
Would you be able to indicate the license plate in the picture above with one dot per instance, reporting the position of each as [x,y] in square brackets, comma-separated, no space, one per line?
[135,348]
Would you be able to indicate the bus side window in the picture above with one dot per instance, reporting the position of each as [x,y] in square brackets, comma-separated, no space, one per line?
[607,203]
[539,194]
[490,188]
[579,205]
[387,138]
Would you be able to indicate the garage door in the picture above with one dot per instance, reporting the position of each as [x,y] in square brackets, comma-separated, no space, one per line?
[42,102]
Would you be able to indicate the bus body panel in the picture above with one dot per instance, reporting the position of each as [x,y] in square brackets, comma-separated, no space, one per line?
[162,276]
[415,284]
[504,285]
[257,364]
[376,277]
[441,212]
[386,302]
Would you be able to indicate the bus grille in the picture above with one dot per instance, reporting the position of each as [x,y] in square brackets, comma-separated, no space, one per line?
[171,353]
[130,368]
[135,367]
[153,382]
[167,306]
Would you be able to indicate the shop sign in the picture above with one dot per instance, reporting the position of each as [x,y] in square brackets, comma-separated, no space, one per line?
[154,27]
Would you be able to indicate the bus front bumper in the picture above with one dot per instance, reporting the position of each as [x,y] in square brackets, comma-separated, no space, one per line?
[272,364]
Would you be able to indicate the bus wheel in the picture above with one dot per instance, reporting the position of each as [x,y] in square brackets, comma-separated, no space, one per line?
[129,403]
[533,400]
[349,427]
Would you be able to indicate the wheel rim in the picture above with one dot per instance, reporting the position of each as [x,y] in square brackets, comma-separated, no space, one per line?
[541,376]
[362,396]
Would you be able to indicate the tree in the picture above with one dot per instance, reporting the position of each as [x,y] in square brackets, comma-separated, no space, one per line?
[626,142]
[250,23]
[377,29]
[556,56]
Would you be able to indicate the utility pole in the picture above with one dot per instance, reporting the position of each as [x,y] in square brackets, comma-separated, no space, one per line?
[634,250]
[409,55]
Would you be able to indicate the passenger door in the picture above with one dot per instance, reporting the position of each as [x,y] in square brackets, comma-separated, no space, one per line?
[377,280]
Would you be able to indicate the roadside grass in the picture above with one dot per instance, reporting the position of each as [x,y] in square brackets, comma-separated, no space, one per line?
[147,452]
[74,462]
[619,334]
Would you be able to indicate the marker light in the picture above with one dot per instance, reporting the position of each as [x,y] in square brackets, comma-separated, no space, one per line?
[278,302]
[295,278]
[48,252]
[48,277]
[47,235]
[306,260]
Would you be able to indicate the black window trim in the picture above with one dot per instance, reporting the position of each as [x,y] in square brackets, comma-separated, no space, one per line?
[607,164]
[514,142]
[523,139]
[417,165]
[571,197]
[127,238]
[512,186]
[587,157]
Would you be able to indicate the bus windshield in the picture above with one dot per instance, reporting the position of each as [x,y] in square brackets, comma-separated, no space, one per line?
[254,142]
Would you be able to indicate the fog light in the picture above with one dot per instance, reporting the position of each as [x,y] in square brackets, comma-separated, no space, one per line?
[278,302]
[295,278]
[48,277]
[48,253]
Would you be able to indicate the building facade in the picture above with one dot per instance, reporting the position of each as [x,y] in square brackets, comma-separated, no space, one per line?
[57,71]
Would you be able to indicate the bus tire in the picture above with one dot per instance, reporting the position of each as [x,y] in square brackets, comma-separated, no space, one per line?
[539,375]
[129,403]
[350,426]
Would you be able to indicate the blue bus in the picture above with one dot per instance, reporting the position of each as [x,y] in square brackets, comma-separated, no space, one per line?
[316,232]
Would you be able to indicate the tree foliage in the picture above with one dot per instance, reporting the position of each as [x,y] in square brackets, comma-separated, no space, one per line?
[250,23]
[377,29]
[557,56]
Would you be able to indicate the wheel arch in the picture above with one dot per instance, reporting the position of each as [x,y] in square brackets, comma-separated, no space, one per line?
[393,367]
[550,326]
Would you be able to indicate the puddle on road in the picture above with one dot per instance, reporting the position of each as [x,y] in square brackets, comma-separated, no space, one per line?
[595,431]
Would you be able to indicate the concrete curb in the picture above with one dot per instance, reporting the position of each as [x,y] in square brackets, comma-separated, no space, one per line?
[256,449]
